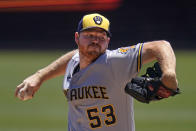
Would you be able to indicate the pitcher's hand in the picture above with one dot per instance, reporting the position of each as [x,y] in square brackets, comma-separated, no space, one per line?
[28,87]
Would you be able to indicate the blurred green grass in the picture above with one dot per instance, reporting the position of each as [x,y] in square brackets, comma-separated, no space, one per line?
[48,110]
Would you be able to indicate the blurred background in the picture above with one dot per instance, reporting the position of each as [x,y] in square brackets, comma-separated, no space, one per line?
[49,24]
[34,33]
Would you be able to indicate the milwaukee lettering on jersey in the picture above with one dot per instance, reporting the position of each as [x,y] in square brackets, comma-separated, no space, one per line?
[86,92]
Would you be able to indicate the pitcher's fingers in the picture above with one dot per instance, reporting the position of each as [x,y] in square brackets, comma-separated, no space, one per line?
[21,85]
[18,88]
[25,87]
[16,92]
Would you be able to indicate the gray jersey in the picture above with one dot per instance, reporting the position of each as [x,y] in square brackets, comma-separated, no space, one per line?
[96,96]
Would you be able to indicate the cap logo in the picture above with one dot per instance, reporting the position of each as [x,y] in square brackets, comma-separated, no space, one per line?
[98,20]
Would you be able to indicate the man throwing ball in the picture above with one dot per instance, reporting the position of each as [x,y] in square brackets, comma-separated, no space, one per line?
[95,77]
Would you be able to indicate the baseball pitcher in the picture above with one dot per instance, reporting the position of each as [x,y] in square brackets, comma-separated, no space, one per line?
[100,84]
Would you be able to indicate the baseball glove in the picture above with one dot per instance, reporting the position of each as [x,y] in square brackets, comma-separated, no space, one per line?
[149,87]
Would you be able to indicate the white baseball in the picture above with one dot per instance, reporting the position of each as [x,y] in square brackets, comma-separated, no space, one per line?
[24,95]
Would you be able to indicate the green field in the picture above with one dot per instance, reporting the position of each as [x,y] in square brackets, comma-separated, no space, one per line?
[48,110]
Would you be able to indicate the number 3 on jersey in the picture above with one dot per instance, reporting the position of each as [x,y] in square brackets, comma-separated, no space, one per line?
[95,121]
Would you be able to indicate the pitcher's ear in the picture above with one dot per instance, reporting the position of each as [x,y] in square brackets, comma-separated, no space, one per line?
[76,37]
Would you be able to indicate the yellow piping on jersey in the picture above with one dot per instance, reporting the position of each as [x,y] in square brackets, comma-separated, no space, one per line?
[139,58]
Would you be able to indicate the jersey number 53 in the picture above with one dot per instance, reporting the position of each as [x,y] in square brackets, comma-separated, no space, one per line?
[94,117]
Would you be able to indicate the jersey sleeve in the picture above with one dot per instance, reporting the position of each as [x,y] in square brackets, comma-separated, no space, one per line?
[126,62]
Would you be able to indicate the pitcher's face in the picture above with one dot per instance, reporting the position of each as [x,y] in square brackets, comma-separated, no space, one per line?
[92,42]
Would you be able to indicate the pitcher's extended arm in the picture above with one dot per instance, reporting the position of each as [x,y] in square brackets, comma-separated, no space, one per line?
[32,83]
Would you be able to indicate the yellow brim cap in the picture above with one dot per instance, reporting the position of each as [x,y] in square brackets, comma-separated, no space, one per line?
[94,21]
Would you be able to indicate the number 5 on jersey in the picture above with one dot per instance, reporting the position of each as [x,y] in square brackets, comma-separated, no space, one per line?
[94,118]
